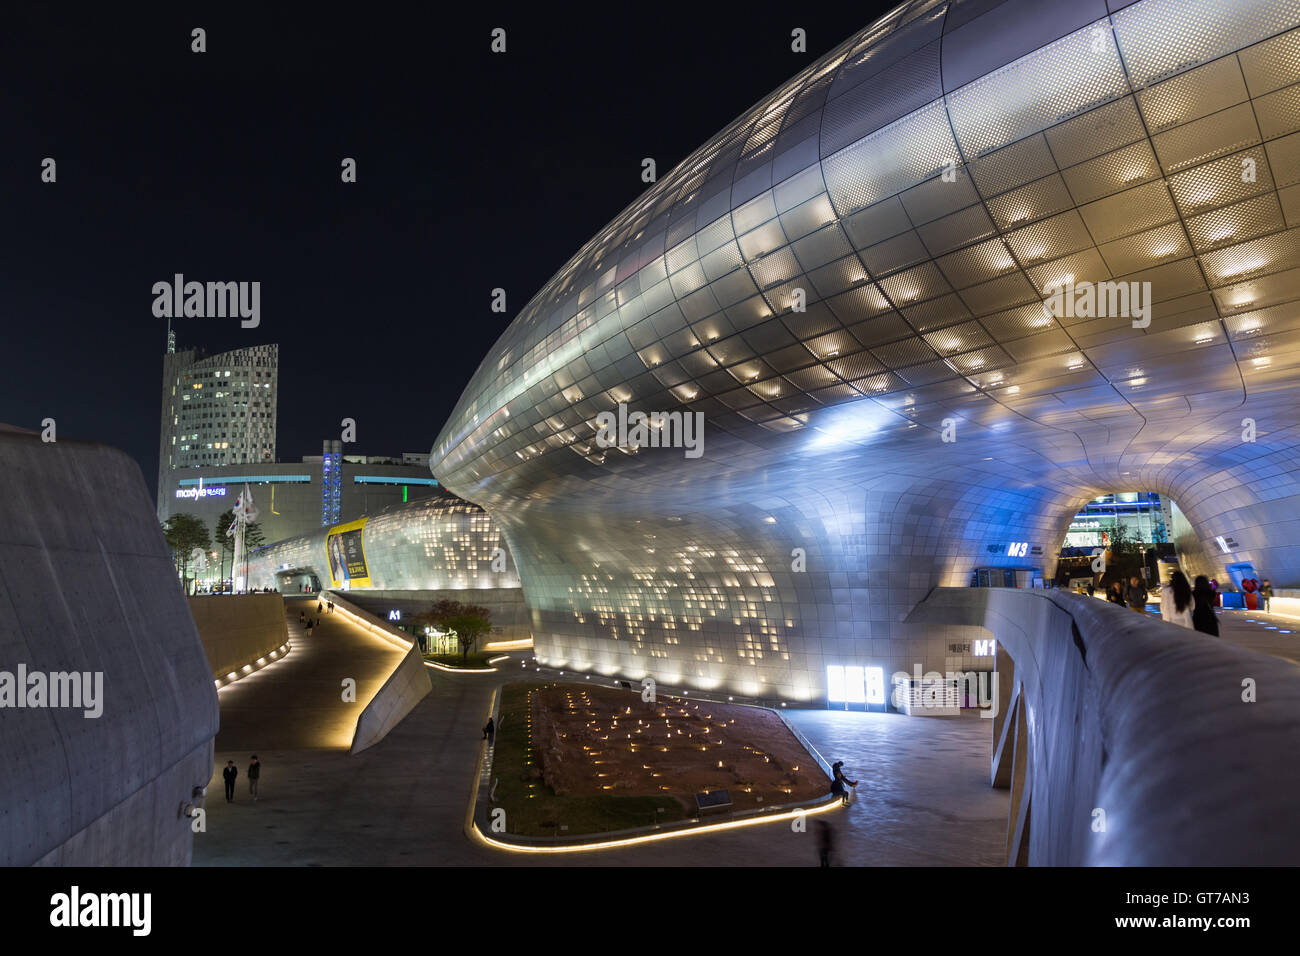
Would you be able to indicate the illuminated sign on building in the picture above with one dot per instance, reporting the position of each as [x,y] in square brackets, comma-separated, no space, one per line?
[1018,549]
[200,492]
[978,649]
[394,615]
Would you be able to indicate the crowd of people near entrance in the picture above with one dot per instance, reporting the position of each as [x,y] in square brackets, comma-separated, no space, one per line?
[1187,605]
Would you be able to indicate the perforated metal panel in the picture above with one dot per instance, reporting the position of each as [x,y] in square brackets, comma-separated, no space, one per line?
[843,274]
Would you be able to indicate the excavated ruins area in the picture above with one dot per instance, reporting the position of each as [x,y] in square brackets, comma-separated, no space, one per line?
[593,741]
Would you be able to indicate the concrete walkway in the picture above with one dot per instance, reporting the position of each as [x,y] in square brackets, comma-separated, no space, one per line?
[1267,633]
[295,705]
[923,798]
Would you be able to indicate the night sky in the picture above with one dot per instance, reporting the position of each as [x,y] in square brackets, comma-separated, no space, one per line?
[474,171]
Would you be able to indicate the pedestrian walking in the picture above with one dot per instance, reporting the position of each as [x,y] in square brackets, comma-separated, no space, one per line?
[1115,593]
[825,840]
[490,731]
[309,626]
[331,606]
[1266,593]
[1176,605]
[319,607]
[1135,595]
[1203,617]
[254,774]
[229,775]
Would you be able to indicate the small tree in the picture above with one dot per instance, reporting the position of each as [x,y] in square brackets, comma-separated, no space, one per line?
[254,537]
[183,533]
[468,622]
[1126,555]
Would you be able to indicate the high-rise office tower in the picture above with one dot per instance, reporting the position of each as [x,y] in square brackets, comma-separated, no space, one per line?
[216,409]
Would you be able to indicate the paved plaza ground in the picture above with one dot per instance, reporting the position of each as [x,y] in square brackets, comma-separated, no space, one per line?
[923,796]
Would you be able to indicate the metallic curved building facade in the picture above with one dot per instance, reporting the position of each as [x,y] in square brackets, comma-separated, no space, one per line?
[848,282]
[414,554]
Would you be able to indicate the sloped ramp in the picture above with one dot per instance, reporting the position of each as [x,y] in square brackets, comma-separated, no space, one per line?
[406,686]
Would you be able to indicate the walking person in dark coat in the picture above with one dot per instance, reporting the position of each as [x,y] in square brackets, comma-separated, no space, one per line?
[825,840]
[490,731]
[1266,594]
[1135,595]
[229,775]
[1115,593]
[254,774]
[1203,617]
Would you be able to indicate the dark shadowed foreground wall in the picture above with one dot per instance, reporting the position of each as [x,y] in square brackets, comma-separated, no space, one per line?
[86,585]
[1127,741]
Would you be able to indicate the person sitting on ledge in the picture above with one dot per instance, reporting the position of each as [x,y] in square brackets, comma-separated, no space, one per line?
[838,784]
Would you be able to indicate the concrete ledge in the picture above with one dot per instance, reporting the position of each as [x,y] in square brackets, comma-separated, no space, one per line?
[406,686]
[1129,723]
[237,629]
[363,618]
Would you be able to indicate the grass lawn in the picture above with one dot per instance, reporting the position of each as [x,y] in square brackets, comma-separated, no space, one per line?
[473,659]
[532,809]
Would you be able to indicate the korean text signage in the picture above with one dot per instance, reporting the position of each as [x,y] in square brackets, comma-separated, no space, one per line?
[218,492]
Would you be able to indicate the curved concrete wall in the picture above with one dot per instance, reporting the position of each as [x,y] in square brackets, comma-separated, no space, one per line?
[847,283]
[406,686]
[1123,721]
[237,629]
[87,585]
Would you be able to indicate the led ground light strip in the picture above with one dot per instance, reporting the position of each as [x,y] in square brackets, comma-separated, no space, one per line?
[471,825]
[279,654]
[381,630]
[460,670]
[519,645]
[700,830]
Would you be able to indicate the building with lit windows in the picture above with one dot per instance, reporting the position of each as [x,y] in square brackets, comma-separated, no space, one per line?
[1146,517]
[216,410]
[295,498]
[979,265]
